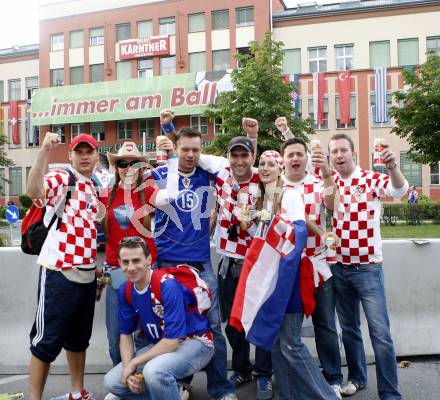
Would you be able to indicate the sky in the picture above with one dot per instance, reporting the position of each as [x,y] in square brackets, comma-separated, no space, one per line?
[20,20]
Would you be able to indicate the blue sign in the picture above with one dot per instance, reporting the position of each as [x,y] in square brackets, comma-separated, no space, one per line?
[12,214]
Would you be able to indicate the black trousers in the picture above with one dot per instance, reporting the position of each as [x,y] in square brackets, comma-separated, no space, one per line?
[240,346]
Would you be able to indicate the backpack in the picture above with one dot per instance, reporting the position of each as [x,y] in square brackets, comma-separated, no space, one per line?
[188,277]
[33,230]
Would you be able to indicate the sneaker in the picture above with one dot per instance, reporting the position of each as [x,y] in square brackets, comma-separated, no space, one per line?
[184,391]
[238,379]
[337,390]
[264,389]
[350,388]
[85,395]
[229,396]
[111,396]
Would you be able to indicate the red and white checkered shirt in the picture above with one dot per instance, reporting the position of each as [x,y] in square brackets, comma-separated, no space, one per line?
[74,244]
[356,220]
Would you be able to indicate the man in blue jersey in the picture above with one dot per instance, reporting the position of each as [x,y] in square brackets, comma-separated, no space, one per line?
[180,341]
[182,236]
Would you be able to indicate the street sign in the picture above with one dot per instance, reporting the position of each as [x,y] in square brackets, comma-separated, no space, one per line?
[12,214]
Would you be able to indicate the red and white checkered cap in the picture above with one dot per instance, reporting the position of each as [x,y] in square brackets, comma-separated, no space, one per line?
[274,155]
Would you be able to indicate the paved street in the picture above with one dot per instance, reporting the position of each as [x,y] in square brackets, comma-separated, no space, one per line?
[421,381]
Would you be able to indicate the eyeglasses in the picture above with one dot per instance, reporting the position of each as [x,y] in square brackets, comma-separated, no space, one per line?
[131,239]
[125,163]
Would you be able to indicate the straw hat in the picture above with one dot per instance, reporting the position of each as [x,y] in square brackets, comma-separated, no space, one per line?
[128,151]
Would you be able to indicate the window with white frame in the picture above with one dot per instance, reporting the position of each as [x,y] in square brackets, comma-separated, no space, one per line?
[168,65]
[196,22]
[31,86]
[75,130]
[317,59]
[97,130]
[373,111]
[411,170]
[197,61]
[147,126]
[61,131]
[344,57]
[408,52]
[124,130]
[245,16]
[433,44]
[292,61]
[167,26]
[145,68]
[57,77]
[123,32]
[434,173]
[220,19]
[96,36]
[144,29]
[352,123]
[380,54]
[199,123]
[14,86]
[76,39]
[220,59]
[218,126]
[15,181]
[57,42]
[315,125]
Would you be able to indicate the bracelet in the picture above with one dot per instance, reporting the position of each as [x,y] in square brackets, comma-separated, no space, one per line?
[167,128]
[393,167]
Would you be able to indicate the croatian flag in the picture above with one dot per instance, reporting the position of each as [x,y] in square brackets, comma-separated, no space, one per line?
[380,83]
[269,281]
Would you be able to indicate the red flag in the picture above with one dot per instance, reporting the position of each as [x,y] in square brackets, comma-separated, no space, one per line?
[318,97]
[344,96]
[13,119]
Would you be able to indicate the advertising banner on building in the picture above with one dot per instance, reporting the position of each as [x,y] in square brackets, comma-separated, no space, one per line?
[148,47]
[128,99]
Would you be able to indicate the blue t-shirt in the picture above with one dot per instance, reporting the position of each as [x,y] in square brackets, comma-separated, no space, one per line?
[176,322]
[181,228]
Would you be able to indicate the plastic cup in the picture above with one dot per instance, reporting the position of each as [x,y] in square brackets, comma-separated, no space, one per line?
[315,143]
[161,155]
[378,147]
[331,253]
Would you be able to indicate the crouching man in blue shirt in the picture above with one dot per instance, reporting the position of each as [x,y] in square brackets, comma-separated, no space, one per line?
[180,341]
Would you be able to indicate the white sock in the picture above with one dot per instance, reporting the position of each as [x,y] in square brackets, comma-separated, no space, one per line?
[76,395]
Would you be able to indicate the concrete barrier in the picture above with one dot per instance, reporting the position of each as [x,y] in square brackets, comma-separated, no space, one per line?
[412,277]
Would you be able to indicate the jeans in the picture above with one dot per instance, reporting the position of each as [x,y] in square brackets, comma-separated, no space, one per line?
[326,334]
[112,323]
[218,384]
[161,373]
[296,373]
[237,339]
[364,283]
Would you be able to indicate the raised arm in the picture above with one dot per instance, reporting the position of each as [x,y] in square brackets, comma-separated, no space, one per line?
[250,126]
[281,124]
[398,182]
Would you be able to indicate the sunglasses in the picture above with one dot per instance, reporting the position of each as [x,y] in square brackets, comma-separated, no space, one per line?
[125,163]
[132,239]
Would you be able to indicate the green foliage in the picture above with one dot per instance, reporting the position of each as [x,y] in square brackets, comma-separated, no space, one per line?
[25,200]
[3,241]
[260,93]
[417,117]
[425,210]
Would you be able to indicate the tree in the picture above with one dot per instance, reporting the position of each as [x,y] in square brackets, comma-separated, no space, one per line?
[4,161]
[260,93]
[417,117]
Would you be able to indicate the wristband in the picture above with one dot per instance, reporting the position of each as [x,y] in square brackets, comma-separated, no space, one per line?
[167,128]
[391,168]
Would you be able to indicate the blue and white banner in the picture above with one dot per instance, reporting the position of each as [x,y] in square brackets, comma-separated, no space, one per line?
[380,83]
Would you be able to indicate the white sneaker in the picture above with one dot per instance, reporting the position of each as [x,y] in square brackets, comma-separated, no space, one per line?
[337,390]
[184,391]
[111,396]
[350,388]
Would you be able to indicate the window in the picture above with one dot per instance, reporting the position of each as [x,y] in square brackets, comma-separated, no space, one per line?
[167,26]
[75,130]
[218,126]
[245,16]
[61,130]
[123,32]
[380,54]
[33,137]
[31,86]
[197,62]
[352,123]
[97,73]
[57,42]
[408,51]
[324,125]
[344,57]
[14,89]
[433,44]
[292,61]
[97,131]
[168,65]
[76,39]
[2,91]
[15,184]
[76,75]
[317,59]
[434,173]
[373,111]
[124,130]
[145,68]
[123,70]
[96,36]
[2,181]
[144,29]
[196,22]
[411,170]
[199,123]
[220,59]
[57,77]
[147,126]
[220,19]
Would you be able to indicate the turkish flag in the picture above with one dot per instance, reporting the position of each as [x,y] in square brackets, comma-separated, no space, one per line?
[344,81]
[13,119]
[318,97]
